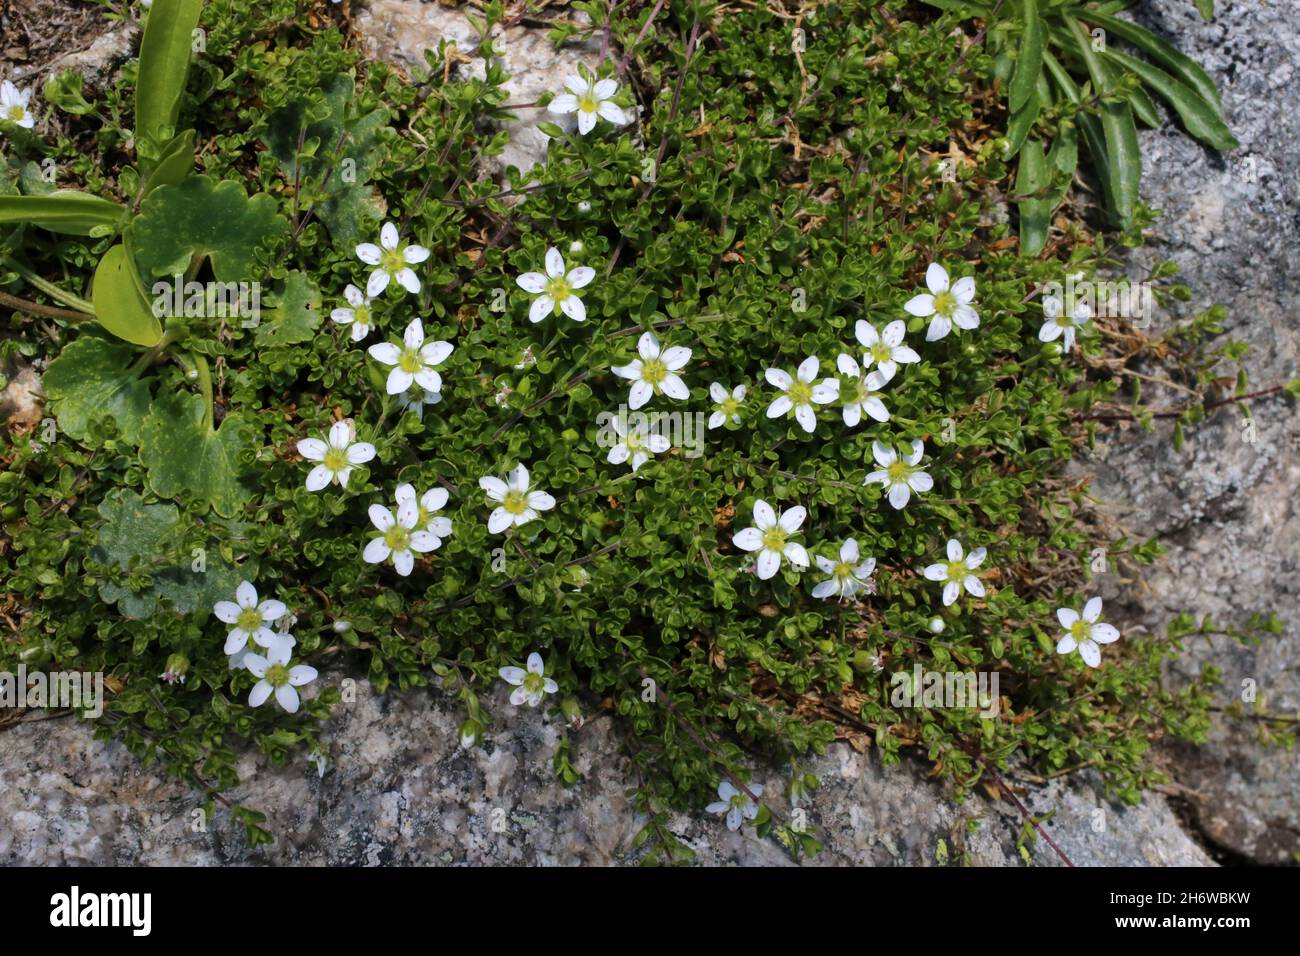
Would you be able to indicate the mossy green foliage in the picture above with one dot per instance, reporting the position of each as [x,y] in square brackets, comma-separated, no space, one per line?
[768,199]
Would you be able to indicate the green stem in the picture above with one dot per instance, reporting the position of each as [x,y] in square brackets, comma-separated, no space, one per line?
[205,384]
[149,357]
[50,289]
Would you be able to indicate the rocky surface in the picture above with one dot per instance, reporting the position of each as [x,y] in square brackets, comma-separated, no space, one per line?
[400,790]
[1227,507]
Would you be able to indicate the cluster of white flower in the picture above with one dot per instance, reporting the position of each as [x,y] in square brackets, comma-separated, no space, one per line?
[249,619]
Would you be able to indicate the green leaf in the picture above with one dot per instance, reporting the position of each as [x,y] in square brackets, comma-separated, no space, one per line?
[296,315]
[1205,8]
[1030,61]
[119,307]
[65,211]
[200,218]
[143,538]
[1020,125]
[1182,66]
[164,65]
[1033,176]
[93,378]
[1200,118]
[175,163]
[1124,158]
[182,454]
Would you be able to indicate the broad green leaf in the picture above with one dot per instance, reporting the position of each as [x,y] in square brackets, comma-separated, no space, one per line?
[175,163]
[1200,118]
[1033,176]
[340,154]
[1124,155]
[119,307]
[201,218]
[92,378]
[164,65]
[183,455]
[1030,61]
[66,211]
[1182,66]
[296,315]
[1020,125]
[144,538]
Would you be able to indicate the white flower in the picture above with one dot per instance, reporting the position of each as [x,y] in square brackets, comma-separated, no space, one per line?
[414,361]
[885,349]
[337,456]
[277,676]
[937,626]
[950,305]
[556,289]
[800,394]
[636,445]
[1085,633]
[358,315]
[320,760]
[401,538]
[956,572]
[899,472]
[13,105]
[770,537]
[863,396]
[414,401]
[427,507]
[736,804]
[1058,323]
[526,358]
[250,619]
[848,575]
[589,99]
[655,372]
[530,685]
[519,505]
[392,260]
[726,404]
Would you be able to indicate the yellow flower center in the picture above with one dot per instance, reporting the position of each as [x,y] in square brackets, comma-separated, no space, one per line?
[774,539]
[957,570]
[16,113]
[635,442]
[881,352]
[516,502]
[587,102]
[392,260]
[654,371]
[945,303]
[361,315]
[800,393]
[397,538]
[729,407]
[843,570]
[534,683]
[558,289]
[898,470]
[250,619]
[410,361]
[1079,630]
[336,459]
[277,675]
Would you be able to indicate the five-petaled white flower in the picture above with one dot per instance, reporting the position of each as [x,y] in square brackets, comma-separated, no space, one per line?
[770,537]
[275,675]
[338,455]
[427,507]
[588,98]
[885,349]
[416,399]
[356,313]
[400,538]
[800,393]
[392,260]
[899,473]
[519,504]
[556,290]
[956,572]
[636,444]
[848,576]
[949,304]
[1084,633]
[415,361]
[736,804]
[1058,323]
[655,372]
[726,404]
[13,105]
[863,394]
[530,685]
[250,619]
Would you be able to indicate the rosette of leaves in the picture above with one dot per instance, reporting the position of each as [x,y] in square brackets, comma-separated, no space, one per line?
[1068,83]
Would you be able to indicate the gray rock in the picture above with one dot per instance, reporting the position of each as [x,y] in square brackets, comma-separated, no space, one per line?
[1226,506]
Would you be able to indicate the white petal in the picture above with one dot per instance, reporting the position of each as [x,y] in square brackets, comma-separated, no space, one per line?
[403,562]
[1104,633]
[808,368]
[936,278]
[533,283]
[369,253]
[779,378]
[313,449]
[580,277]
[749,539]
[793,518]
[564,103]
[376,552]
[920,305]
[1090,653]
[385,352]
[574,309]
[554,263]
[381,517]
[769,562]
[408,280]
[226,611]
[1092,610]
[499,520]
[1067,616]
[259,694]
[764,516]
[780,407]
[246,595]
[954,549]
[496,488]
[939,328]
